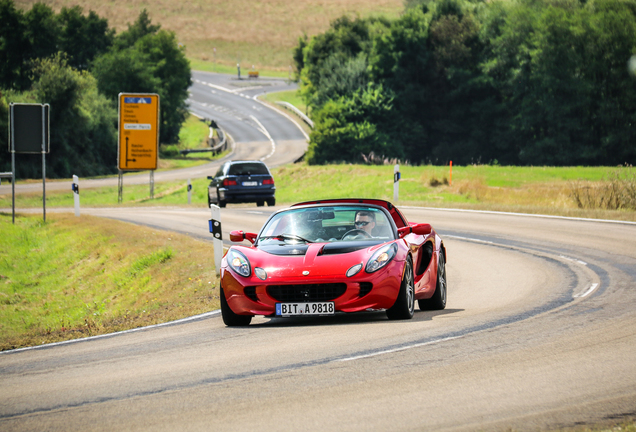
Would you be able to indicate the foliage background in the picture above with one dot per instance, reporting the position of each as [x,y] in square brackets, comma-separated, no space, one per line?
[525,82]
[78,65]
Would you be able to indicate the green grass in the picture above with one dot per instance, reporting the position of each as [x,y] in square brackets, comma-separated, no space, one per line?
[517,189]
[71,277]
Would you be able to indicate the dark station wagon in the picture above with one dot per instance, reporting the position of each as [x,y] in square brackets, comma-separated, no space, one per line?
[242,182]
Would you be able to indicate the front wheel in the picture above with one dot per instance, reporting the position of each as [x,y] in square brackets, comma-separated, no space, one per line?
[438,301]
[230,318]
[404,306]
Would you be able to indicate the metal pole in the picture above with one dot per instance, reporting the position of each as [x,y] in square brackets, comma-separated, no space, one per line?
[152,184]
[189,192]
[12,164]
[120,187]
[44,162]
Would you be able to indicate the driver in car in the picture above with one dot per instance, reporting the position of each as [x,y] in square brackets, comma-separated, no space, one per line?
[365,221]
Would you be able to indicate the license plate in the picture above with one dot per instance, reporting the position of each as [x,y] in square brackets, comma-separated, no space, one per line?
[252,183]
[313,308]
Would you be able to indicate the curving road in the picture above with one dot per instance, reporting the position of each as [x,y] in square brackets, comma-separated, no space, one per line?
[258,131]
[539,332]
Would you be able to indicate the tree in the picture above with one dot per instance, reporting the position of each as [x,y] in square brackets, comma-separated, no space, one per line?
[348,127]
[83,37]
[82,123]
[14,47]
[152,63]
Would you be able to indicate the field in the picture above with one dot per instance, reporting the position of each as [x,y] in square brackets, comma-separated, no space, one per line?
[219,34]
[546,190]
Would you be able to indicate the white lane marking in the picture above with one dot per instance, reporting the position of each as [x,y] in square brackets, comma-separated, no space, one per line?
[283,114]
[521,214]
[469,239]
[180,321]
[573,260]
[262,129]
[399,349]
[588,292]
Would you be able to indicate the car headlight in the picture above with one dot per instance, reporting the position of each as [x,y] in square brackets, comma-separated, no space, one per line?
[239,263]
[354,270]
[381,257]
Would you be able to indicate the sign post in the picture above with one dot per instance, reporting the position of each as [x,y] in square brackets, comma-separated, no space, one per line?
[75,188]
[215,230]
[29,133]
[138,136]
[396,182]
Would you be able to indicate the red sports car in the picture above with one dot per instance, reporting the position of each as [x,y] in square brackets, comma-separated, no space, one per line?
[328,256]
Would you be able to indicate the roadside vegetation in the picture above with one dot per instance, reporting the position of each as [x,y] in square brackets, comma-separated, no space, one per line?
[75,277]
[508,82]
[78,65]
[565,191]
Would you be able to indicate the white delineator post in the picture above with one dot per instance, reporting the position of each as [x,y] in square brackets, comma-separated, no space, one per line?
[215,230]
[396,182]
[76,195]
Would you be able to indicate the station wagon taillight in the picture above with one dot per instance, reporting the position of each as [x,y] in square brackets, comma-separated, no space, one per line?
[268,181]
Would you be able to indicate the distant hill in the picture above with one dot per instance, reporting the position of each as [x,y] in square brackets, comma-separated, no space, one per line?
[260,33]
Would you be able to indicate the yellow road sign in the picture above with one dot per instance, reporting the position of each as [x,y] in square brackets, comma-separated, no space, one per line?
[138,131]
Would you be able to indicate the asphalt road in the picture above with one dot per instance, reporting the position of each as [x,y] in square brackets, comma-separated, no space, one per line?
[539,332]
[257,131]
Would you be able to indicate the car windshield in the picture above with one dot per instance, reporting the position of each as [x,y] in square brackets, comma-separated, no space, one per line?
[248,168]
[327,224]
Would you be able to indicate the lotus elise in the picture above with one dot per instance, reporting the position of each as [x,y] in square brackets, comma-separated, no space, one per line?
[329,256]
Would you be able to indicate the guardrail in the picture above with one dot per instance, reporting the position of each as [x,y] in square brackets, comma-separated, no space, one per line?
[220,147]
[298,112]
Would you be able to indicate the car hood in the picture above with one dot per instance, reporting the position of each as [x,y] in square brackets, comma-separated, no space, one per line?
[313,260]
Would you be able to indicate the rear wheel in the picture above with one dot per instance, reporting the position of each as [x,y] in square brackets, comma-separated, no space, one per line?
[229,317]
[260,203]
[220,201]
[404,306]
[438,301]
[271,202]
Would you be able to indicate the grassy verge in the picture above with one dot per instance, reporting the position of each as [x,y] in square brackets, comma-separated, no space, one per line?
[193,135]
[546,190]
[73,277]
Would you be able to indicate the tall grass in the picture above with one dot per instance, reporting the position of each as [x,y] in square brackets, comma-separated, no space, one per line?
[72,277]
[615,192]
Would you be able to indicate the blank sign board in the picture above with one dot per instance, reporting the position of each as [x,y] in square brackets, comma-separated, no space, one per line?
[26,124]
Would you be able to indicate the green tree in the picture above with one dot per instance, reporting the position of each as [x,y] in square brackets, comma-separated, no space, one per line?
[347,128]
[82,123]
[14,47]
[152,63]
[83,38]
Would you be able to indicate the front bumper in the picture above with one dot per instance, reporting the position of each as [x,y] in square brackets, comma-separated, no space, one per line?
[251,296]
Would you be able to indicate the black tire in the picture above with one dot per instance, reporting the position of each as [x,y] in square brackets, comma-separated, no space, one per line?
[260,203]
[230,318]
[219,201]
[404,306]
[438,301]
[271,202]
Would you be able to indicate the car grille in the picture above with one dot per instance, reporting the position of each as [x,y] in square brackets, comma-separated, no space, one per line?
[365,288]
[306,293]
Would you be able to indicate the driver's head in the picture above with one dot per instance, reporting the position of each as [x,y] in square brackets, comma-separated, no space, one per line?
[365,220]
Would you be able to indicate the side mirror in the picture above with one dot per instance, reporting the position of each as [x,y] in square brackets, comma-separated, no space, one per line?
[239,236]
[422,229]
[419,229]
[210,178]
